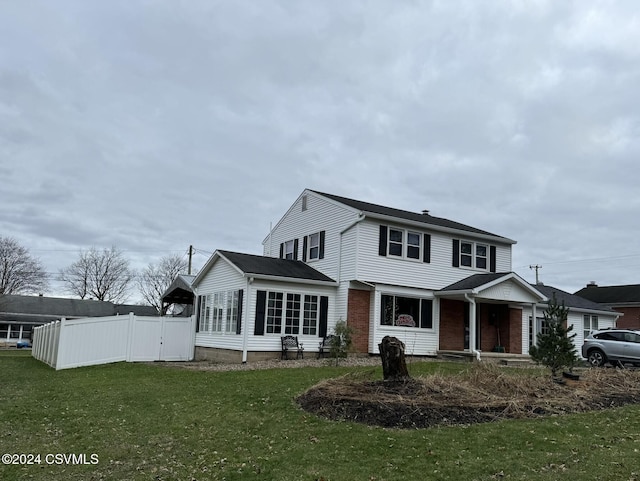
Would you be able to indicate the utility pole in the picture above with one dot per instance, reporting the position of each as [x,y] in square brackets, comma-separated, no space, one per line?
[536,267]
[190,256]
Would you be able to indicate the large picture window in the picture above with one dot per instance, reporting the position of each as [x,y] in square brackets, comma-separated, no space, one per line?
[220,312]
[291,313]
[406,311]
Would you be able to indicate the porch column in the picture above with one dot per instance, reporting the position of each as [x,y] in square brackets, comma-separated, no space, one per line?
[472,323]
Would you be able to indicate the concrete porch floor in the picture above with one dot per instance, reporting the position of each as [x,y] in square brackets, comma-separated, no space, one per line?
[504,358]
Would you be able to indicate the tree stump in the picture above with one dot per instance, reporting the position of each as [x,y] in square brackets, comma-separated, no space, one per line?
[394,367]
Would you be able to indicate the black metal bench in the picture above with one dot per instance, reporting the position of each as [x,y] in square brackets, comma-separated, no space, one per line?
[326,344]
[290,343]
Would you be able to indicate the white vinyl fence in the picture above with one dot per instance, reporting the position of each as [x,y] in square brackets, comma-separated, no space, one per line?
[99,340]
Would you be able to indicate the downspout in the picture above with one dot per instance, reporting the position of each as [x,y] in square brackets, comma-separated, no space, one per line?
[245,334]
[360,218]
[472,326]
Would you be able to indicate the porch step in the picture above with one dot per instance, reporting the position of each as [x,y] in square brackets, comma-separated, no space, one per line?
[516,362]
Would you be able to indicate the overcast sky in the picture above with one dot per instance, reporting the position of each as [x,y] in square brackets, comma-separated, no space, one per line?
[155,125]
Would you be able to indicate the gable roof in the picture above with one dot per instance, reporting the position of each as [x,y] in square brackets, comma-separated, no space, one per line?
[45,309]
[439,223]
[624,294]
[180,290]
[480,284]
[263,267]
[571,300]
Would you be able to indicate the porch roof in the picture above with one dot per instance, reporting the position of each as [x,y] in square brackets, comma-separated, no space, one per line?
[498,287]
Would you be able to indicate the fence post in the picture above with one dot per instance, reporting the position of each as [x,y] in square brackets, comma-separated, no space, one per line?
[130,334]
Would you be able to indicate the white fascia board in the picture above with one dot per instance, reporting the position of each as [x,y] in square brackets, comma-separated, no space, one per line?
[293,280]
[437,228]
[205,269]
[519,280]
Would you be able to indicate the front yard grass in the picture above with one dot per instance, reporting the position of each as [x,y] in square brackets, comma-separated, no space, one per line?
[146,422]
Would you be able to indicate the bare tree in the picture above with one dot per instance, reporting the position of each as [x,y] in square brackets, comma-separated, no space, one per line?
[103,275]
[19,272]
[157,278]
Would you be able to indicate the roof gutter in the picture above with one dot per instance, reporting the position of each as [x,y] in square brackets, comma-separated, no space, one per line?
[297,280]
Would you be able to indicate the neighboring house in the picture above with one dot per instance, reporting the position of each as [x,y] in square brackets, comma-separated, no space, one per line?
[433,283]
[20,314]
[584,315]
[179,295]
[624,299]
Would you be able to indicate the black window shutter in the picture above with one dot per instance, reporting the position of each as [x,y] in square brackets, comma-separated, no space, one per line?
[382,246]
[492,258]
[324,309]
[305,246]
[426,314]
[426,254]
[295,249]
[239,325]
[456,253]
[282,251]
[321,253]
[261,305]
[198,302]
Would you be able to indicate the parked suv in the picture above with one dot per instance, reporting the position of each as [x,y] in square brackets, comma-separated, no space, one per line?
[613,346]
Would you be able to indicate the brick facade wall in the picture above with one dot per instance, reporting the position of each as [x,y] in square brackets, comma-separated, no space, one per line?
[631,318]
[491,319]
[358,310]
[452,317]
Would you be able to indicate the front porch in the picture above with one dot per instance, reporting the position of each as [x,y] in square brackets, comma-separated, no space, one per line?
[483,314]
[504,358]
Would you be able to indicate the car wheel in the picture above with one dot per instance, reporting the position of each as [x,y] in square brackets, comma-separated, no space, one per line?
[597,358]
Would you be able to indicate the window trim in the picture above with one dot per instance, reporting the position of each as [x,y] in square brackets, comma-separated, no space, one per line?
[404,244]
[421,315]
[473,255]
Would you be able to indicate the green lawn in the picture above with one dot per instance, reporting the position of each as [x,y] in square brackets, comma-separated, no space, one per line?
[146,422]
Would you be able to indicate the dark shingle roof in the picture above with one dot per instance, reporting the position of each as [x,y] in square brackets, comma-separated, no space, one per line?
[45,309]
[180,290]
[473,281]
[407,215]
[570,300]
[272,266]
[611,294]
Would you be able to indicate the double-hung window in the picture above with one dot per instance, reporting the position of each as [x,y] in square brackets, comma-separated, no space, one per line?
[413,245]
[314,246]
[473,255]
[288,250]
[396,238]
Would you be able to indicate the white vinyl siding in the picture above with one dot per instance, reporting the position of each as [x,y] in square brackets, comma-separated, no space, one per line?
[436,274]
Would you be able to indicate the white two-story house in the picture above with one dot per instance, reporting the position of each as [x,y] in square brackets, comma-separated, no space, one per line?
[435,284]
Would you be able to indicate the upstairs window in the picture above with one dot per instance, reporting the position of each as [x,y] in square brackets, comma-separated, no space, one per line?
[413,245]
[405,244]
[314,246]
[395,242]
[474,255]
[288,249]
